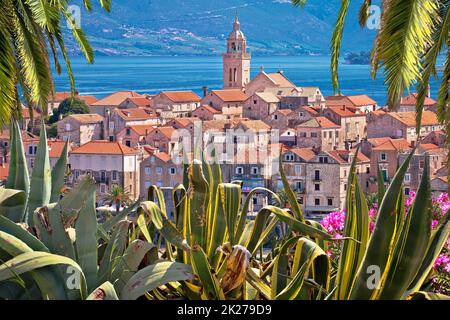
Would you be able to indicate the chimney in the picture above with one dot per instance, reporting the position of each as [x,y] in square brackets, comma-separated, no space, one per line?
[205,91]
[261,69]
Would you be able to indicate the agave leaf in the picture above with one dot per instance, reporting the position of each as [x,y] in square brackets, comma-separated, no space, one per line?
[31,261]
[257,283]
[12,203]
[17,231]
[298,214]
[201,267]
[280,276]
[58,175]
[114,250]
[421,295]
[230,195]
[105,292]
[379,248]
[86,243]
[154,276]
[41,179]
[356,227]
[128,263]
[107,226]
[412,244]
[198,198]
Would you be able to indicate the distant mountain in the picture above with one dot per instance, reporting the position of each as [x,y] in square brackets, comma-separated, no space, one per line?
[200,27]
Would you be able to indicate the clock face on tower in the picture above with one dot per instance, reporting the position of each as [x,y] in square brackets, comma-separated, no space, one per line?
[236,60]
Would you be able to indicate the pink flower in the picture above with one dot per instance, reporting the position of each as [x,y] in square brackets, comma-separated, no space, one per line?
[434,224]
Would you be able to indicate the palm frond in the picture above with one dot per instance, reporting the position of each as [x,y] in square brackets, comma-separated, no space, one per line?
[336,43]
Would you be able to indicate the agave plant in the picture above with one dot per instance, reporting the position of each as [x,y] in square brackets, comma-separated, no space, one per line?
[59,251]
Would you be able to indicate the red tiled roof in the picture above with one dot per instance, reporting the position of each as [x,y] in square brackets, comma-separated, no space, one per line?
[162,156]
[4,171]
[361,100]
[140,102]
[60,96]
[256,125]
[86,118]
[167,131]
[312,111]
[285,112]
[89,100]
[412,99]
[209,109]
[393,144]
[230,95]
[134,114]
[304,153]
[182,96]
[280,79]
[428,146]
[141,130]
[104,147]
[321,122]
[55,148]
[117,98]
[345,112]
[409,118]
[26,113]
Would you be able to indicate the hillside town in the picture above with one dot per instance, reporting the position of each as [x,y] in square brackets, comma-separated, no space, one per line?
[136,140]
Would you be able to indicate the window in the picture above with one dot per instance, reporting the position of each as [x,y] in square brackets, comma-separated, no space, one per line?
[317,201]
[111,138]
[407,191]
[255,201]
[407,177]
[275,117]
[158,170]
[302,134]
[114,175]
[128,143]
[323,159]
[330,202]
[301,114]
[148,171]
[383,156]
[239,170]
[316,175]
[313,134]
[31,163]
[103,176]
[77,174]
[159,184]
[30,150]
[172,171]
[345,187]
[385,174]
[67,126]
[300,200]
[367,169]
[299,185]
[102,188]
[298,169]
[255,102]
[289,157]
[255,170]
[316,187]
[147,184]
[421,164]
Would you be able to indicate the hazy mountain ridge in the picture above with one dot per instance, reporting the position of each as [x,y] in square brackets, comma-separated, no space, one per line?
[199,27]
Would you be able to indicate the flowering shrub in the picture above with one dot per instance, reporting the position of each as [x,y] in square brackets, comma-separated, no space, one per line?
[334,224]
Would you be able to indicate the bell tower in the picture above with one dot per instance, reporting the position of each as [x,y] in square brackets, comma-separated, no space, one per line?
[236,61]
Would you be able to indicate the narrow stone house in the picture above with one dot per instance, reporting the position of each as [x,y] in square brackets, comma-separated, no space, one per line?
[81,128]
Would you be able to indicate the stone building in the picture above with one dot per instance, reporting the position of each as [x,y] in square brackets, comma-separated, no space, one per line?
[260,105]
[109,163]
[319,133]
[172,104]
[229,102]
[81,128]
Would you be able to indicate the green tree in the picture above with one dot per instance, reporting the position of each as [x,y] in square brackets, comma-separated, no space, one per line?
[117,196]
[67,107]
[411,36]
[29,29]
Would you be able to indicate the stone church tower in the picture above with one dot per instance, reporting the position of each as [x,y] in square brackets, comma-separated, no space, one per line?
[236,61]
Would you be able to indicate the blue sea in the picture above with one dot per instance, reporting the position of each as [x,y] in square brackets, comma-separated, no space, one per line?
[154,74]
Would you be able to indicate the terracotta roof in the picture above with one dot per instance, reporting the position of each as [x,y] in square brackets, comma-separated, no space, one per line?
[409,118]
[115,99]
[343,156]
[149,149]
[182,96]
[256,125]
[312,111]
[141,129]
[104,147]
[26,113]
[280,79]
[167,131]
[184,122]
[377,141]
[89,100]
[4,171]
[361,100]
[55,148]
[86,118]
[230,95]
[427,146]
[139,101]
[393,144]
[411,99]
[285,112]
[268,97]
[60,96]
[209,109]
[443,179]
[162,156]
[26,136]
[319,122]
[134,114]
[345,112]
[304,153]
